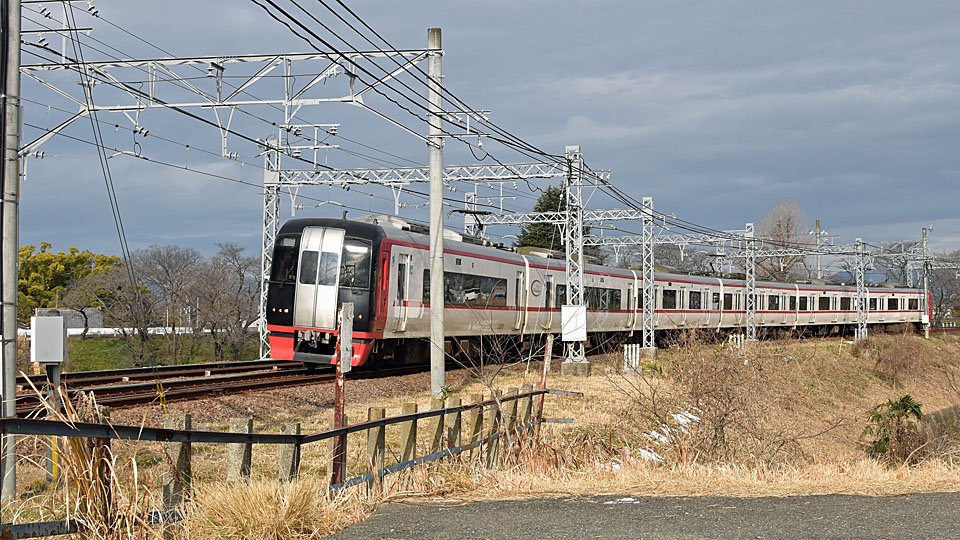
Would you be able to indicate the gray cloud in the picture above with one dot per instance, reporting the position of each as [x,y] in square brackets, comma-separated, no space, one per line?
[716,110]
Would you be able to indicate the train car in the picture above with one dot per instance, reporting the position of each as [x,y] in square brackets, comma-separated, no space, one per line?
[381,264]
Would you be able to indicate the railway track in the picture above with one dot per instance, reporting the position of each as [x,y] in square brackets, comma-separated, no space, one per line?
[174,385]
[113,376]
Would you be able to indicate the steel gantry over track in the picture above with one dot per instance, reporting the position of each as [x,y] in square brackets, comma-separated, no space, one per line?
[173,83]
[750,253]
[647,240]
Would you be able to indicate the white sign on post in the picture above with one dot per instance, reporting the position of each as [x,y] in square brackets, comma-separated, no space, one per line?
[573,323]
[48,339]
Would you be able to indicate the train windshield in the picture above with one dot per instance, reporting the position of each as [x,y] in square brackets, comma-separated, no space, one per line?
[285,253]
[355,270]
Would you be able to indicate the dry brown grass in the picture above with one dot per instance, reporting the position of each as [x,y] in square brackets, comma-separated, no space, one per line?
[778,418]
[270,510]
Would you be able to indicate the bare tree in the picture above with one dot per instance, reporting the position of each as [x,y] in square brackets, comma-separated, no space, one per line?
[895,260]
[132,309]
[227,288]
[945,288]
[785,225]
[170,273]
[683,259]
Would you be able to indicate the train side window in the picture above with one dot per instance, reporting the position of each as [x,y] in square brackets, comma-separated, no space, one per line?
[308,267]
[804,303]
[716,301]
[823,303]
[873,304]
[793,303]
[893,304]
[773,302]
[696,300]
[914,304]
[728,301]
[845,303]
[669,299]
[401,283]
[561,295]
[426,286]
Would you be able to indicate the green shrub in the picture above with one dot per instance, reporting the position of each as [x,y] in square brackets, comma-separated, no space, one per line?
[892,433]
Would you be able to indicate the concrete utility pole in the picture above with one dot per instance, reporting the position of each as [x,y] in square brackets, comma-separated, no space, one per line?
[10,238]
[435,145]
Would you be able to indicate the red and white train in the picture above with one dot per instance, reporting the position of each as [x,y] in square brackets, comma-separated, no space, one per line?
[381,264]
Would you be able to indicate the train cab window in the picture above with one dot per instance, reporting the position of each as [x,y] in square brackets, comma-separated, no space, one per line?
[728,301]
[893,304]
[773,302]
[716,301]
[308,267]
[328,269]
[285,252]
[793,303]
[913,304]
[823,303]
[845,304]
[669,299]
[873,304]
[696,300]
[355,269]
[804,303]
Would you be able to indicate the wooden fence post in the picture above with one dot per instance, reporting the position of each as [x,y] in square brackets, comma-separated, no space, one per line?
[338,455]
[408,437]
[475,424]
[376,440]
[103,462]
[179,472]
[453,421]
[240,455]
[511,414]
[290,455]
[526,404]
[436,427]
[496,417]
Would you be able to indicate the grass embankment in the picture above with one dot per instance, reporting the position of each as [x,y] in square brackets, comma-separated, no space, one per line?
[778,418]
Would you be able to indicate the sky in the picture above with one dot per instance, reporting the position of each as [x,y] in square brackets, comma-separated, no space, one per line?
[717,110]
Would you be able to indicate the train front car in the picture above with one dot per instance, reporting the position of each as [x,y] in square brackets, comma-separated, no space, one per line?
[318,264]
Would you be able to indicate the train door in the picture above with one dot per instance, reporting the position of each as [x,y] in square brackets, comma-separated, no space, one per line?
[522,296]
[548,301]
[315,305]
[403,291]
[633,299]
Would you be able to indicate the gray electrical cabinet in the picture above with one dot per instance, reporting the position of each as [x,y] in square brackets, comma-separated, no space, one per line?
[48,339]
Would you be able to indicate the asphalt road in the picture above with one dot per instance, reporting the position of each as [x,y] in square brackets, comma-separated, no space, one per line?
[935,515]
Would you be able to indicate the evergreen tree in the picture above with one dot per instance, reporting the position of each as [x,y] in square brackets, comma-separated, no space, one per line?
[547,235]
[544,235]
